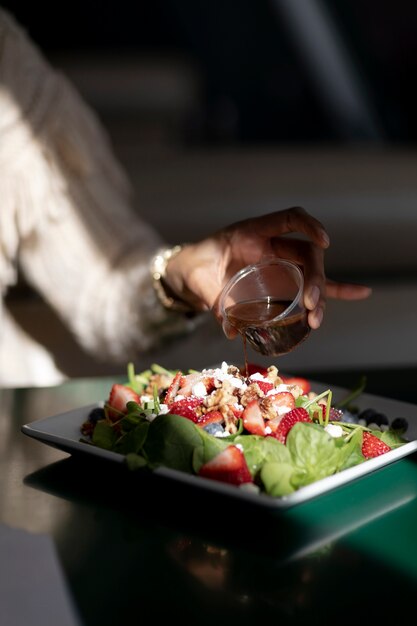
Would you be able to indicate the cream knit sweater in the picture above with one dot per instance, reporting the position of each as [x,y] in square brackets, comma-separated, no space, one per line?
[66,220]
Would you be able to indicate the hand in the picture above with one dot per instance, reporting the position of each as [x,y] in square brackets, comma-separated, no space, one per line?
[200,271]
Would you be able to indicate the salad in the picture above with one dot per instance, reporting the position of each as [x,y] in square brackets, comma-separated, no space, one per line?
[251,428]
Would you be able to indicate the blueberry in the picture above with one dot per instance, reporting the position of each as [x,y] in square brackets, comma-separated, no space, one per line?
[367,415]
[214,429]
[380,419]
[95,415]
[399,423]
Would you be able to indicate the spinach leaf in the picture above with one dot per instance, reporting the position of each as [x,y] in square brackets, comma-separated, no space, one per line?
[313,451]
[276,478]
[392,438]
[350,452]
[133,440]
[135,461]
[258,450]
[171,441]
[210,447]
[104,435]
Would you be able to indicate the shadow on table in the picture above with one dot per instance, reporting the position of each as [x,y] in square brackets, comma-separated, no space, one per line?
[140,545]
[213,516]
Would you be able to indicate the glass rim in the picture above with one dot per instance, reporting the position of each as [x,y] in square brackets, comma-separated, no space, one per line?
[248,269]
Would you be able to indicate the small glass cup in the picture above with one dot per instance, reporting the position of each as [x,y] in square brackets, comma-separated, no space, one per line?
[264,303]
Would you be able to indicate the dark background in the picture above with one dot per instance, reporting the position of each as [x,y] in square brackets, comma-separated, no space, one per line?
[255,83]
[221,110]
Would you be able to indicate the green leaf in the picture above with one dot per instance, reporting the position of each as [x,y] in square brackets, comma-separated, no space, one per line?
[258,450]
[171,441]
[313,451]
[133,440]
[135,461]
[158,369]
[210,447]
[276,478]
[392,438]
[131,420]
[104,435]
[350,452]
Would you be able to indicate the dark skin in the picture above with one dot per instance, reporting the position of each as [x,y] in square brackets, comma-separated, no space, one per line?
[200,271]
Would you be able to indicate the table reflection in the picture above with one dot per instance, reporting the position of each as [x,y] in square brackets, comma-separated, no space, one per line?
[136,547]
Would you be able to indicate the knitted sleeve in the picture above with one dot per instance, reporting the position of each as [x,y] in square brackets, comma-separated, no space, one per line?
[66,215]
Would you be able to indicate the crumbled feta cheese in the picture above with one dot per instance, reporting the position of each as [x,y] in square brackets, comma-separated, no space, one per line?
[222,373]
[257,376]
[268,430]
[145,398]
[199,390]
[236,382]
[239,445]
[163,408]
[279,388]
[334,430]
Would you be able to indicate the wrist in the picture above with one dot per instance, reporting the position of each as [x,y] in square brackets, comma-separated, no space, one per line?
[166,295]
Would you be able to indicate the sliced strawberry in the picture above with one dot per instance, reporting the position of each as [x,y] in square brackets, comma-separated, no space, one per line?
[210,418]
[173,388]
[303,383]
[264,385]
[373,446]
[228,466]
[273,423]
[119,396]
[299,414]
[187,383]
[210,384]
[253,420]
[186,407]
[282,399]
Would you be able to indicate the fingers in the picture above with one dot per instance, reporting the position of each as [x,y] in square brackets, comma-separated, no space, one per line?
[347,291]
[293,220]
[336,290]
[310,258]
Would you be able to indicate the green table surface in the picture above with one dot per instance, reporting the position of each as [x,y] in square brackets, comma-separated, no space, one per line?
[137,550]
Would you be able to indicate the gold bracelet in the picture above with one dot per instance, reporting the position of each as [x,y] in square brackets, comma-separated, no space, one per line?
[158,269]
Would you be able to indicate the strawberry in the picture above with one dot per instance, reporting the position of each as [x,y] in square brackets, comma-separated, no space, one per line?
[173,388]
[187,383]
[253,420]
[227,466]
[210,418]
[299,414]
[263,385]
[119,396]
[282,399]
[373,446]
[186,407]
[303,383]
[210,384]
